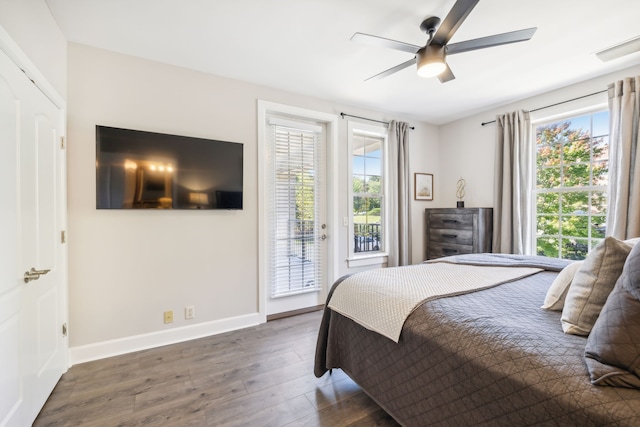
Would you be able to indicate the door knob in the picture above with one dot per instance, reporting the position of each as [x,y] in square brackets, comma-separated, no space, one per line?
[33,274]
[323,237]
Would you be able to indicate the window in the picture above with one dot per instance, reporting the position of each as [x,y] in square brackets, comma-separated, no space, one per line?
[367,148]
[295,204]
[571,184]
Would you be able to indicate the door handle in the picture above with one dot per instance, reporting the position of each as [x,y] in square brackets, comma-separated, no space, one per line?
[34,274]
[323,237]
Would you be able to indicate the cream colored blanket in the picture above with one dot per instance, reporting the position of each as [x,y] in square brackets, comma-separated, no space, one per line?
[383,298]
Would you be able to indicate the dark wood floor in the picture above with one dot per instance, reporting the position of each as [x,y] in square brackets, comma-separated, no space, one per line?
[260,376]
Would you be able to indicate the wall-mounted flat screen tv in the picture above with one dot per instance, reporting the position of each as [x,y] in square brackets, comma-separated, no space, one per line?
[146,170]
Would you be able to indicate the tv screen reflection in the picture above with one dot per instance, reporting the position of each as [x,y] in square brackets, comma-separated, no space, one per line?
[147,170]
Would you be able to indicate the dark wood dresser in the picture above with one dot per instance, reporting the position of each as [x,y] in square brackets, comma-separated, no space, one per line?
[458,231]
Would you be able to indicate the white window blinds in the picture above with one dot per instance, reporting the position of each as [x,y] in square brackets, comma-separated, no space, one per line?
[296,256]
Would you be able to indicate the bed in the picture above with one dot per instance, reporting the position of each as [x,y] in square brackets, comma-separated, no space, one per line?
[485,357]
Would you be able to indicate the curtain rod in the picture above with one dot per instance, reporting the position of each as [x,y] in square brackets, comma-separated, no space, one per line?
[371,120]
[557,103]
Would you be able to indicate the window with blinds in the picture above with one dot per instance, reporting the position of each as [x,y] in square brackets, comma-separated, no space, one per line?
[294,206]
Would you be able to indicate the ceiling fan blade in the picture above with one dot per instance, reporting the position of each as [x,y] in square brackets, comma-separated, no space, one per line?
[446,75]
[454,19]
[619,50]
[490,41]
[392,70]
[383,42]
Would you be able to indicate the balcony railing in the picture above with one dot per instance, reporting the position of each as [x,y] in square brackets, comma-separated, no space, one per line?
[366,238]
[302,238]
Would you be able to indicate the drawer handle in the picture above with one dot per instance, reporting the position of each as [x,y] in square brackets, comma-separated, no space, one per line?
[449,251]
[450,236]
[450,221]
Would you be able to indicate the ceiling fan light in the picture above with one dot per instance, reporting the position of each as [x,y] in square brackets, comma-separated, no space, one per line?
[431,69]
[431,61]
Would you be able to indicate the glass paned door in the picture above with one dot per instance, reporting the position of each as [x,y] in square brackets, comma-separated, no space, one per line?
[296,195]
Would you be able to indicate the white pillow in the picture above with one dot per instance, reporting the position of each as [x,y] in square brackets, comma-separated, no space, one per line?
[633,241]
[592,284]
[558,290]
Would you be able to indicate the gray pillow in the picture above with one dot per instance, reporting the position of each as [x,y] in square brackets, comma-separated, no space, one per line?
[592,284]
[612,352]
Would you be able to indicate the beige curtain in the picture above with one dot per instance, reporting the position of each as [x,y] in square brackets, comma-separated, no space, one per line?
[400,244]
[513,184]
[623,214]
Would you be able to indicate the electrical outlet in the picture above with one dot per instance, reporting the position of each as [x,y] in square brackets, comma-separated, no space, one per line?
[189,312]
[168,316]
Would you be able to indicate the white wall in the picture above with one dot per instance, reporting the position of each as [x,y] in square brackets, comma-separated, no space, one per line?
[468,149]
[127,267]
[424,158]
[31,25]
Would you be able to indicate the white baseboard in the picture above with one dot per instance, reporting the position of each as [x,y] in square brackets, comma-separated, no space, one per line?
[101,350]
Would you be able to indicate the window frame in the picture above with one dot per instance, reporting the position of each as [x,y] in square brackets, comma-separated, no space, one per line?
[541,121]
[361,259]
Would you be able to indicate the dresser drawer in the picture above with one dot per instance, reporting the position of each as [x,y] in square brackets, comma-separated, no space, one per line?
[440,249]
[453,221]
[451,235]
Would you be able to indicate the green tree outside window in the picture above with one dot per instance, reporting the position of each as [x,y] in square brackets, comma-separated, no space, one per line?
[571,178]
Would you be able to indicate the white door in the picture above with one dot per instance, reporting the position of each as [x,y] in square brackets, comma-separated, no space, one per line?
[33,348]
[298,232]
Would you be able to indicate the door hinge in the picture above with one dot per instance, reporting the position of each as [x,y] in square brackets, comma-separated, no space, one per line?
[64,329]
[62,142]
[63,236]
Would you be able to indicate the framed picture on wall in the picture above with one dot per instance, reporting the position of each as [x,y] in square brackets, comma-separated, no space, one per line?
[423,186]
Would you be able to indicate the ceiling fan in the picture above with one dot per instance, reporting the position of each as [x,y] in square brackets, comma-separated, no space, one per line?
[431,58]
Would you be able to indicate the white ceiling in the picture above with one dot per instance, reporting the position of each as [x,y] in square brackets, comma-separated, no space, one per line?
[303,46]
